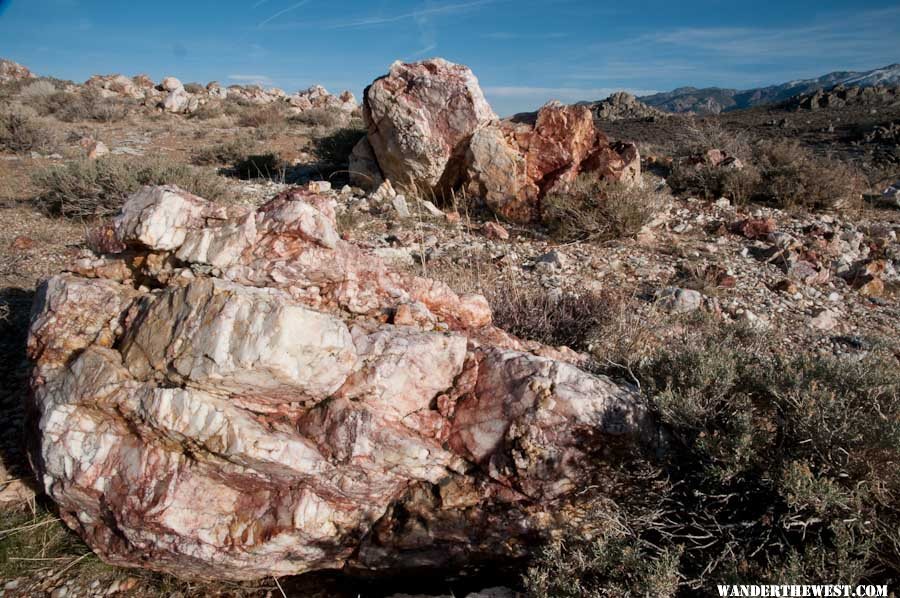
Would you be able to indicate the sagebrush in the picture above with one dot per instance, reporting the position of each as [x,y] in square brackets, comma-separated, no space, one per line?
[88,188]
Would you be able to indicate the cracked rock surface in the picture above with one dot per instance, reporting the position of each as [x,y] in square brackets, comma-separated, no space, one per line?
[235,394]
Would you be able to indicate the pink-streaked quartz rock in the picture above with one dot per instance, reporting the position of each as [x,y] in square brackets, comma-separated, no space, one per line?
[238,394]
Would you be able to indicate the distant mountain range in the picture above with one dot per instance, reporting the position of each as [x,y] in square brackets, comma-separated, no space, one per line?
[713,100]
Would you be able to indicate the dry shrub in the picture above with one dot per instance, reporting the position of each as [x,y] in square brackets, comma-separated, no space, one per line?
[711,182]
[611,566]
[793,177]
[778,468]
[259,117]
[38,89]
[88,188]
[21,133]
[327,118]
[335,148]
[551,317]
[699,136]
[597,210]
[528,310]
[783,173]
[227,152]
[195,88]
[209,111]
[264,166]
[86,105]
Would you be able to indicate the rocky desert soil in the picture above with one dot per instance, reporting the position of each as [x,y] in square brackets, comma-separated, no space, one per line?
[821,281]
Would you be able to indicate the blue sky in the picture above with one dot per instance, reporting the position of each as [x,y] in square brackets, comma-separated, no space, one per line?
[523,51]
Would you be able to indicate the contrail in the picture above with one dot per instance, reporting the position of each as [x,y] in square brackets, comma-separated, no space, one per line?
[283,12]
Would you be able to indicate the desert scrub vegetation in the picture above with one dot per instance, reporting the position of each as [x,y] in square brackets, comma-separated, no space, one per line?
[775,469]
[612,565]
[227,152]
[82,106]
[593,210]
[335,147]
[88,188]
[782,173]
[326,118]
[262,166]
[20,132]
[552,318]
[259,117]
[793,177]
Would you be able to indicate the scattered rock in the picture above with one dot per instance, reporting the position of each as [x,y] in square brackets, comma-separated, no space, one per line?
[364,170]
[824,320]
[171,84]
[891,196]
[679,301]
[319,186]
[93,148]
[754,228]
[552,260]
[400,206]
[493,230]
[22,243]
[432,209]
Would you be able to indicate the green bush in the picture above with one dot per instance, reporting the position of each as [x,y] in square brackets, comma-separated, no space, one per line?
[88,188]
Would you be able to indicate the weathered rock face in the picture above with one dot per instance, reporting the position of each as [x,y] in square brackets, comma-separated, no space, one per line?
[513,164]
[419,115]
[430,129]
[238,394]
[13,71]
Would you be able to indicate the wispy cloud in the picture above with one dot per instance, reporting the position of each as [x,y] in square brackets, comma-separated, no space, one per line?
[847,36]
[259,3]
[510,36]
[283,12]
[422,52]
[252,79]
[423,12]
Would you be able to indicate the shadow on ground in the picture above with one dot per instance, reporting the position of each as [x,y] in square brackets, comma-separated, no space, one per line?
[15,308]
